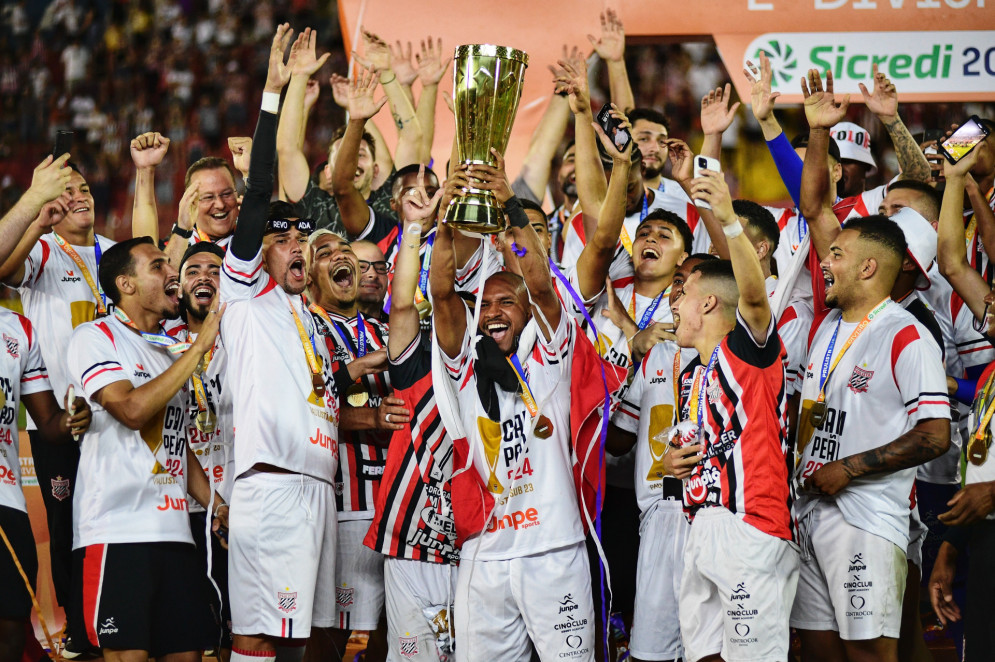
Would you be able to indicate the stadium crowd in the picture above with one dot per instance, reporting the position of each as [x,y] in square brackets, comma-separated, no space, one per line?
[644,420]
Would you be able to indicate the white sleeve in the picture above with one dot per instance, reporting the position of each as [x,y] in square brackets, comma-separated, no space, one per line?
[794,327]
[972,348]
[35,263]
[918,372]
[627,415]
[560,342]
[243,279]
[456,366]
[471,275]
[34,374]
[93,360]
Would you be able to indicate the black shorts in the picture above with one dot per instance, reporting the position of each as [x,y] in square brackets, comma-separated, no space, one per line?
[146,596]
[15,601]
[219,573]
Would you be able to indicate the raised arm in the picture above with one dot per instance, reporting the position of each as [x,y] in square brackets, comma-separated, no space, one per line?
[432,65]
[252,215]
[361,106]
[448,309]
[611,48]
[716,116]
[404,318]
[383,161]
[682,170]
[883,102]
[753,305]
[294,170]
[147,151]
[44,204]
[787,161]
[409,132]
[950,253]
[823,112]
[599,250]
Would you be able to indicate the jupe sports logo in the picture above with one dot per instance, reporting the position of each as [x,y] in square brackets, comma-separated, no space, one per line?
[960,61]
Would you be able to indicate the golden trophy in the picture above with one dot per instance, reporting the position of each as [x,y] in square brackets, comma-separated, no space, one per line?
[487,85]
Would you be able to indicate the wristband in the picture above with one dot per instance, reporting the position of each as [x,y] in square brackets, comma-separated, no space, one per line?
[733,229]
[180,232]
[386,82]
[516,215]
[271,102]
[220,505]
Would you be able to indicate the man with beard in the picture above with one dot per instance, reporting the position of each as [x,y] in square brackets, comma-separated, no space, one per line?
[140,581]
[285,410]
[508,399]
[210,430]
[54,267]
[357,348]
[374,279]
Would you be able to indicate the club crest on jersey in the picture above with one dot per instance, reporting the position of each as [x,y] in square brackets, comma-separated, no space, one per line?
[286,602]
[344,597]
[60,488]
[859,379]
[409,646]
[714,392]
[11,344]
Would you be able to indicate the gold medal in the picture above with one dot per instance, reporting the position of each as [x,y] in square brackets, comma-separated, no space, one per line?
[318,385]
[3,399]
[818,413]
[357,395]
[544,428]
[424,309]
[206,422]
[977,449]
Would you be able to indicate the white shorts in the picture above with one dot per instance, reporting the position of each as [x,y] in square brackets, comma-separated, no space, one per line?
[419,600]
[358,578]
[851,580]
[737,590]
[656,629]
[546,597]
[917,536]
[281,554]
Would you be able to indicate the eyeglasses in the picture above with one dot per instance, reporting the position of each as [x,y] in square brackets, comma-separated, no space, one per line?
[226,196]
[381,267]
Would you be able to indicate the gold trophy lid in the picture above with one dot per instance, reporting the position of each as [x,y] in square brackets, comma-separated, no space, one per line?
[490,50]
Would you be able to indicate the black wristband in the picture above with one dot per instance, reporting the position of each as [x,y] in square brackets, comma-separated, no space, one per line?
[516,214]
[180,232]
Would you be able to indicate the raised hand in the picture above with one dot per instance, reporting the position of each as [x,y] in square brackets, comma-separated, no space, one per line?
[712,188]
[360,103]
[571,77]
[278,72]
[188,207]
[492,178]
[377,54]
[681,160]
[883,102]
[609,141]
[307,63]
[52,213]
[416,203]
[340,90]
[716,115]
[611,46]
[821,108]
[240,148]
[148,149]
[400,64]
[432,62]
[311,93]
[50,179]
[761,98]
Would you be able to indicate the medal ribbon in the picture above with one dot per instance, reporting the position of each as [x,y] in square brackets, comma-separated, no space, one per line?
[426,261]
[360,335]
[172,345]
[677,387]
[98,292]
[527,397]
[989,410]
[200,393]
[648,313]
[201,235]
[700,390]
[307,342]
[828,370]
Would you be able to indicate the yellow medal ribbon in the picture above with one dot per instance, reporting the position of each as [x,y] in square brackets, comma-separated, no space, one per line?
[868,318]
[317,381]
[87,276]
[677,388]
[626,241]
[527,397]
[977,449]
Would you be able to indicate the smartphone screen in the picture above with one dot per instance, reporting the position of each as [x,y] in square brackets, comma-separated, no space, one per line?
[963,140]
[613,128]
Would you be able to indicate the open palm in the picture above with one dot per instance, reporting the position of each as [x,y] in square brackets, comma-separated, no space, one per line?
[361,104]
[822,109]
[307,63]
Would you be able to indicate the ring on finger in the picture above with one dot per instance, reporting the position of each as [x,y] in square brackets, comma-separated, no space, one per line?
[387,418]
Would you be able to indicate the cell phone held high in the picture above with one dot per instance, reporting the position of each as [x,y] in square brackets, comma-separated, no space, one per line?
[967,136]
[63,143]
[705,163]
[613,128]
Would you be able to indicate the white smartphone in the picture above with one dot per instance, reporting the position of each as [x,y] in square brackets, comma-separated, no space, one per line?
[705,163]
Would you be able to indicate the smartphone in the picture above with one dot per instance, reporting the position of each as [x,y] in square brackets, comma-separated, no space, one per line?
[705,163]
[964,139]
[613,128]
[63,143]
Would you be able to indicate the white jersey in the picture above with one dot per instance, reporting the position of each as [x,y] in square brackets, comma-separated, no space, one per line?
[214,448]
[57,299]
[794,327]
[279,420]
[23,373]
[867,203]
[890,378]
[648,410]
[223,242]
[132,484]
[648,310]
[531,478]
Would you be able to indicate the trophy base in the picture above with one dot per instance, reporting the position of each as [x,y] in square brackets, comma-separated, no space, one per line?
[482,216]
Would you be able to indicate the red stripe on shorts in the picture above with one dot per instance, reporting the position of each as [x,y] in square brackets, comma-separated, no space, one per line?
[93,575]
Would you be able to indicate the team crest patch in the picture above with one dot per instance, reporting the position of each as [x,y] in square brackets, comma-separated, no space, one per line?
[714,392]
[859,379]
[11,344]
[286,602]
[409,646]
[60,488]
[344,596]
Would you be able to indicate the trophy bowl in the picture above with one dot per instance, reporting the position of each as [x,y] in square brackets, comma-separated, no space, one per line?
[487,86]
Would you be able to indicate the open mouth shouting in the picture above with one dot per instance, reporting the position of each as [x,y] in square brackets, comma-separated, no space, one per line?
[343,275]
[203,294]
[650,253]
[828,277]
[172,291]
[296,268]
[497,330]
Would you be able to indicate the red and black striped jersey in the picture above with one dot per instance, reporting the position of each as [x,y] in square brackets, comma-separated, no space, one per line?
[361,460]
[414,517]
[745,432]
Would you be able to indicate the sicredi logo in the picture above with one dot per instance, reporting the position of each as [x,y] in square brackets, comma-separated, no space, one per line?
[928,62]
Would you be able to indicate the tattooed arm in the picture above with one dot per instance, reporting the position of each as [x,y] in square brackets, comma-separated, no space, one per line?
[883,102]
[929,439]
